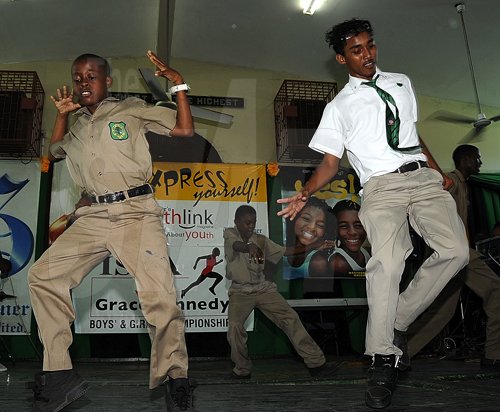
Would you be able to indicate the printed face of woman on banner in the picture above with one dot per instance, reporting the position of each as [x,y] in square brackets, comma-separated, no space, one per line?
[310,226]
[310,236]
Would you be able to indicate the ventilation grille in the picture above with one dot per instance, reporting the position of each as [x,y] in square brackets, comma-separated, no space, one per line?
[298,107]
[21,109]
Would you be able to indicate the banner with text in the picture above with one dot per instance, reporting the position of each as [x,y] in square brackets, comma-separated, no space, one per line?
[19,192]
[199,200]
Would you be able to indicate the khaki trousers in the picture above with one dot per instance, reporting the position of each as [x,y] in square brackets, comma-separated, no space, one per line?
[132,232]
[388,202]
[276,308]
[483,282]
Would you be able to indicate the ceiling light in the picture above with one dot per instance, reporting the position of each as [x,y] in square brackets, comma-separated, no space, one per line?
[310,6]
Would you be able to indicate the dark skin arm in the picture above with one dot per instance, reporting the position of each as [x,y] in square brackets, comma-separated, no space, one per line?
[254,252]
[328,168]
[64,105]
[340,265]
[184,126]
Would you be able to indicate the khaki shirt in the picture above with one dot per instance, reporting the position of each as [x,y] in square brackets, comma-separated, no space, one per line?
[107,151]
[459,192]
[243,273]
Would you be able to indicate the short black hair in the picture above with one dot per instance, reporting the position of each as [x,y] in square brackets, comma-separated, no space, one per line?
[345,205]
[244,210]
[337,36]
[464,151]
[90,56]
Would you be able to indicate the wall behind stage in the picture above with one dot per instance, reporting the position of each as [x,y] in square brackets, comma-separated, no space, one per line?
[251,138]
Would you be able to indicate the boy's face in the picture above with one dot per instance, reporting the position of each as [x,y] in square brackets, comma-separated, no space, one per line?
[473,163]
[90,82]
[246,225]
[351,232]
[360,56]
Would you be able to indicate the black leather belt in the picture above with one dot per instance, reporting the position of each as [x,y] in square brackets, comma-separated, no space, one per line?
[123,195]
[410,167]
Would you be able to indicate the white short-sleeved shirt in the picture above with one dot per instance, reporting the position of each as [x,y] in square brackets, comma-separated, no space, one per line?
[355,121]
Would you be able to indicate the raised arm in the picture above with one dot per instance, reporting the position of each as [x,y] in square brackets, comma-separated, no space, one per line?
[64,105]
[328,168]
[184,125]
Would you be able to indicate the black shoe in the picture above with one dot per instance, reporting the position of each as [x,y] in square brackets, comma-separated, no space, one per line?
[490,364]
[236,376]
[382,379]
[179,395]
[401,341]
[324,371]
[55,390]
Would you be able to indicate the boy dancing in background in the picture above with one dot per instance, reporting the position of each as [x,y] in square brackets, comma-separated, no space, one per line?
[246,253]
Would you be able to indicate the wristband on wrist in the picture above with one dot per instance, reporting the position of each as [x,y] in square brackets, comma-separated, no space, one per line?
[179,87]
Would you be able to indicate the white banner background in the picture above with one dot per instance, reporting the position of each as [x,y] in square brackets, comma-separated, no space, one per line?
[106,301]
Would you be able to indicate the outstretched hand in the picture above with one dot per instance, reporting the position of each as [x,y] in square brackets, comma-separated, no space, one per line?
[64,101]
[164,70]
[295,205]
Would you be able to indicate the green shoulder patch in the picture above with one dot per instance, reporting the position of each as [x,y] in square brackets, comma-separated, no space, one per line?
[118,130]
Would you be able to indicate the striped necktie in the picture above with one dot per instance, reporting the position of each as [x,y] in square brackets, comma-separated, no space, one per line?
[392,120]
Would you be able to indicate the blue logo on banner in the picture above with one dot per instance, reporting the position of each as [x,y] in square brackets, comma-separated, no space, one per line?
[18,231]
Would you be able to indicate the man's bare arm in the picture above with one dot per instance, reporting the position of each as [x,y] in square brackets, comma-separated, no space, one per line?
[322,175]
[184,126]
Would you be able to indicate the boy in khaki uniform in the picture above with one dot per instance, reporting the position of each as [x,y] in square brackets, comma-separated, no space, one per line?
[246,253]
[108,157]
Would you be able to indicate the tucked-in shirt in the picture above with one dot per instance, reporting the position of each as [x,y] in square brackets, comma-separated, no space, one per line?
[355,121]
[244,274]
[107,151]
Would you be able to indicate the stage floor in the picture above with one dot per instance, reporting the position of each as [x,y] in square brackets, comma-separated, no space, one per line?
[276,385]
